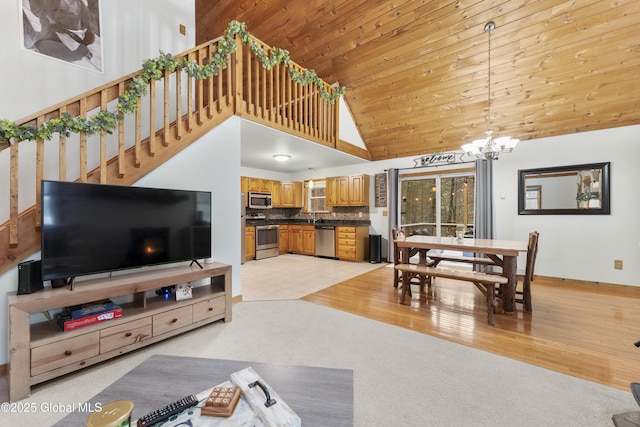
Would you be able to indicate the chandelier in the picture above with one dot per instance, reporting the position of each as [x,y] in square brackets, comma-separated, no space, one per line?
[488,147]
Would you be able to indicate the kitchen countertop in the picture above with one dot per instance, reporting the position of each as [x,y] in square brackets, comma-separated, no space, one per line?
[337,222]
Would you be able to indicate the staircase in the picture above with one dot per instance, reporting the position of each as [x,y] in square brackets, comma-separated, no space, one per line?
[177,111]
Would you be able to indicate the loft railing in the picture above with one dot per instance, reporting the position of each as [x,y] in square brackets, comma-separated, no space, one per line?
[178,110]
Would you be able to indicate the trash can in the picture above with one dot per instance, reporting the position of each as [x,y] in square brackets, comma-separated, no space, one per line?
[375,248]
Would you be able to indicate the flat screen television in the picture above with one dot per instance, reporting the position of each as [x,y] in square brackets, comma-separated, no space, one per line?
[96,228]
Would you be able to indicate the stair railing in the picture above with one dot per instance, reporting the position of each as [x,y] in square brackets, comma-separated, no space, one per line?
[177,110]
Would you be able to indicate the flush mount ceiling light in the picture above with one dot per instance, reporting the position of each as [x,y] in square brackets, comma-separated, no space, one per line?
[281,157]
[488,147]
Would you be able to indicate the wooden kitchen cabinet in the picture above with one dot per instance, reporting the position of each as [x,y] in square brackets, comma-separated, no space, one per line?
[351,243]
[276,194]
[283,239]
[259,185]
[291,194]
[308,240]
[250,242]
[295,239]
[359,190]
[352,190]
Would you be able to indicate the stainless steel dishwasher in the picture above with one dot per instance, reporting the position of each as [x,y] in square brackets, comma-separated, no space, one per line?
[326,241]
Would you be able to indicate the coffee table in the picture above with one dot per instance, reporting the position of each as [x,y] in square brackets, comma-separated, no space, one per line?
[320,396]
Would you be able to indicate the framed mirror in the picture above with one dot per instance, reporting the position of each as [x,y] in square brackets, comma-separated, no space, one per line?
[565,190]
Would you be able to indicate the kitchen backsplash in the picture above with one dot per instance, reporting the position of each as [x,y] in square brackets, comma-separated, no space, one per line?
[338,213]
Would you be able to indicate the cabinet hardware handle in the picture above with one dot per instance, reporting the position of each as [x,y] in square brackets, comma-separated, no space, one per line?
[128,334]
[174,320]
[210,308]
[67,353]
[82,363]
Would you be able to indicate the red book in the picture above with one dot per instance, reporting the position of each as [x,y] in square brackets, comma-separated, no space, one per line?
[71,324]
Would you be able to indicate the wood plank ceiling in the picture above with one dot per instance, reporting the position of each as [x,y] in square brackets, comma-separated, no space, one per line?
[416,71]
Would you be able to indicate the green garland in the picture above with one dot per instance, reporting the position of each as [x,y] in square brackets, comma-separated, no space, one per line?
[154,69]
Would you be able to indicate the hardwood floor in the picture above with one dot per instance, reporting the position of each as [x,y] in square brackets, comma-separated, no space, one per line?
[582,329]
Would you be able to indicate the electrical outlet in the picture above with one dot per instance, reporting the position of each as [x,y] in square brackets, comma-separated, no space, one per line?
[617,264]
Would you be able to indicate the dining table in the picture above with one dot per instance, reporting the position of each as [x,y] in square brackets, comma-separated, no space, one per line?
[502,253]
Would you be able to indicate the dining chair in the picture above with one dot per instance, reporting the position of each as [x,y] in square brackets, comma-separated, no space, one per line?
[525,277]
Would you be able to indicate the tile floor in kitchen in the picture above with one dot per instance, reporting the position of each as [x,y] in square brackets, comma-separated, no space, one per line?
[291,276]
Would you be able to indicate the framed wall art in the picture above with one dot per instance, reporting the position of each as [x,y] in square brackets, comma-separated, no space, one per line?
[65,30]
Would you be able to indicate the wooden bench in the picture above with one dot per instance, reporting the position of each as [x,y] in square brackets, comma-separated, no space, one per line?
[485,282]
[435,256]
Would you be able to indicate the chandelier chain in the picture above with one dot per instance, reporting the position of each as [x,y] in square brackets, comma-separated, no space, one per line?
[489,29]
[489,147]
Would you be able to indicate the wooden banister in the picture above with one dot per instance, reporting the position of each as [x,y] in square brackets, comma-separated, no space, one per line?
[244,87]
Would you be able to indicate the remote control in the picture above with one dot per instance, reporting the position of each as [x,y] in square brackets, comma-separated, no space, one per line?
[167,411]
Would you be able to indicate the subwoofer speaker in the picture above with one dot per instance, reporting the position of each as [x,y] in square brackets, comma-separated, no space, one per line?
[29,277]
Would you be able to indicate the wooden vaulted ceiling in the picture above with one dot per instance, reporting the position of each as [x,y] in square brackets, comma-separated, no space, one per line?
[416,71]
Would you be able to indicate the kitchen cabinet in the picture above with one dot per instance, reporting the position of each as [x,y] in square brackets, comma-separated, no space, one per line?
[283,239]
[308,240]
[359,190]
[351,243]
[250,242]
[276,194]
[291,194]
[260,185]
[295,239]
[331,191]
[352,190]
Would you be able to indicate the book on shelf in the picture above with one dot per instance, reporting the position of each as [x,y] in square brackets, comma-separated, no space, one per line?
[90,308]
[69,324]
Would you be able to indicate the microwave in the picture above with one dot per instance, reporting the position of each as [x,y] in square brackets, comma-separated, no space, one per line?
[260,200]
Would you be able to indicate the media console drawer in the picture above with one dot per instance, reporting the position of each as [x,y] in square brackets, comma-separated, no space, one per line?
[125,334]
[64,352]
[209,308]
[172,319]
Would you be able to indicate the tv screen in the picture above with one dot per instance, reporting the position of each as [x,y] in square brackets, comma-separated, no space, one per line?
[96,228]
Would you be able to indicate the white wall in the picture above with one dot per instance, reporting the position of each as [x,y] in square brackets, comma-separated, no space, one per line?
[131,32]
[211,164]
[578,246]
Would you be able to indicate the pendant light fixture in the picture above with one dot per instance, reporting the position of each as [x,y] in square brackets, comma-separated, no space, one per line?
[488,147]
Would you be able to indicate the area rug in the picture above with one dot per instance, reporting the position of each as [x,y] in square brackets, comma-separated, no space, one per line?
[400,377]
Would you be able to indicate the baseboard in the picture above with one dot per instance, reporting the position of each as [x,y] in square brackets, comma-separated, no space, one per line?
[4,369]
[617,287]
[237,298]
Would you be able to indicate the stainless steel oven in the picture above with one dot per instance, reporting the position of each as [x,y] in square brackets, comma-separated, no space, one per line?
[266,241]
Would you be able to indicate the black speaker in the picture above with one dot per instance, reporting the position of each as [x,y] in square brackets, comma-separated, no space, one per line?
[29,277]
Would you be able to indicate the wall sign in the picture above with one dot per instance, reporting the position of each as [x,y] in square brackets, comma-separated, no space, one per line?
[380,182]
[438,159]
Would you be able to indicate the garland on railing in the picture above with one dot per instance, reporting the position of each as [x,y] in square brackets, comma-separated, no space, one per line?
[154,69]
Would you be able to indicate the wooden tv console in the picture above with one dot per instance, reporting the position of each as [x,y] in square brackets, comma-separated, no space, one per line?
[41,351]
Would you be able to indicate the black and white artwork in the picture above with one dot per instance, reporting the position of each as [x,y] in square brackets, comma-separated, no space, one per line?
[67,30]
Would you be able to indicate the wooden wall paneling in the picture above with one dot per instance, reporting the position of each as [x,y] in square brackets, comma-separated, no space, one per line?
[62,146]
[179,93]
[82,112]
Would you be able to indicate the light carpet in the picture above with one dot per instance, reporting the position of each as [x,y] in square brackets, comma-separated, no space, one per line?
[401,377]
